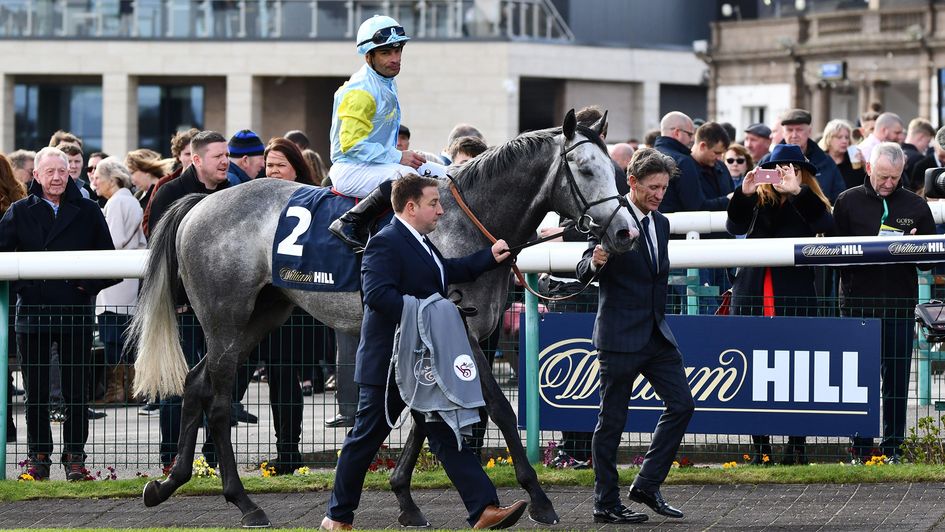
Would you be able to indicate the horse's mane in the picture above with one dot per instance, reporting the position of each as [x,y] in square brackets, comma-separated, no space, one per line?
[497,160]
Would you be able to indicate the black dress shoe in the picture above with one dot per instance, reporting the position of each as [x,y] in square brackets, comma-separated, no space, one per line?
[339,421]
[619,514]
[654,500]
[239,414]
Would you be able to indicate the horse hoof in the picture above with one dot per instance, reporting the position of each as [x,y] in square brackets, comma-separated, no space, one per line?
[255,519]
[413,519]
[152,494]
[544,516]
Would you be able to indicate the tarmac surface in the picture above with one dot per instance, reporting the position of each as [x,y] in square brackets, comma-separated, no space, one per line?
[741,507]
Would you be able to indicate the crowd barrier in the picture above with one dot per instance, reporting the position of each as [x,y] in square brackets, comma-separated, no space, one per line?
[549,257]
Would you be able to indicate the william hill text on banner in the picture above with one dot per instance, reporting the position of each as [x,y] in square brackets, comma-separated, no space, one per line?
[748,375]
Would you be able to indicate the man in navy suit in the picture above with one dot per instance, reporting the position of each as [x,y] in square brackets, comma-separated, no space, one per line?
[633,338]
[400,260]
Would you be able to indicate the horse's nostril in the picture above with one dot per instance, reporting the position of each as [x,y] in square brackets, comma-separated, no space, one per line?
[623,235]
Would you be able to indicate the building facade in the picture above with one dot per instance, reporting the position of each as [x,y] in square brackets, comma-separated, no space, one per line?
[834,58]
[129,73]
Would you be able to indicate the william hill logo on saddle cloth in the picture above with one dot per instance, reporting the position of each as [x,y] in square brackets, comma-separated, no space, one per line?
[305,256]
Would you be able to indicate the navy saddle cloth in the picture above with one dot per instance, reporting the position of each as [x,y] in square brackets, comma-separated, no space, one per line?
[305,256]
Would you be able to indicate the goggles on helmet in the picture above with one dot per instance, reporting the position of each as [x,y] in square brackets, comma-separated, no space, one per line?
[383,35]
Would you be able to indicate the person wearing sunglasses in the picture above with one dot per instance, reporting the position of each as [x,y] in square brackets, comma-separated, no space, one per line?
[739,162]
[364,128]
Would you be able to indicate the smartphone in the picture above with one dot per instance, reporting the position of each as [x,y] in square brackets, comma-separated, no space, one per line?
[767,176]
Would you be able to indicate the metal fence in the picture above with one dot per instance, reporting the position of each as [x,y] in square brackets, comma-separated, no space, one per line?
[301,354]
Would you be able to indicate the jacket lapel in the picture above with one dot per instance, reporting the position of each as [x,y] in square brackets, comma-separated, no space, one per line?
[43,214]
[662,236]
[641,242]
[420,250]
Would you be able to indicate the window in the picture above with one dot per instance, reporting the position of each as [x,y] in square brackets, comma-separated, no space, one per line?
[43,108]
[163,110]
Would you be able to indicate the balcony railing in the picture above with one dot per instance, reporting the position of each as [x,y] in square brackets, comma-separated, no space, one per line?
[277,19]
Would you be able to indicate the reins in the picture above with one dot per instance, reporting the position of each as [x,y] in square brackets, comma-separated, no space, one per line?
[458,196]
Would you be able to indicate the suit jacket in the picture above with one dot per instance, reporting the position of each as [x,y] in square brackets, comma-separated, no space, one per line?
[30,225]
[632,303]
[395,264]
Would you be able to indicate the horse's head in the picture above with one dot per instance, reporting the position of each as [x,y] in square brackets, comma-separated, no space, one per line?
[585,190]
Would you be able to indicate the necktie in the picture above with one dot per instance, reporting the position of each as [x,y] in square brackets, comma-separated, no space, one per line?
[429,245]
[649,243]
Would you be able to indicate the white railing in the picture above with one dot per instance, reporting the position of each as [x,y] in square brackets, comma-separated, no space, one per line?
[547,257]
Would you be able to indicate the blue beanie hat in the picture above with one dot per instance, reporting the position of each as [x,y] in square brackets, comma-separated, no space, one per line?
[245,142]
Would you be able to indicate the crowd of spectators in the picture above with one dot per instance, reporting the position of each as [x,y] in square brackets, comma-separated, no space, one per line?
[716,167]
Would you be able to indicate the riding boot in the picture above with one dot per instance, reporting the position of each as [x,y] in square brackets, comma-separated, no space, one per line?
[354,226]
[762,448]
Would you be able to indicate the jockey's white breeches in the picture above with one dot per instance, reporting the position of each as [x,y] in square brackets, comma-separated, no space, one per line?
[358,180]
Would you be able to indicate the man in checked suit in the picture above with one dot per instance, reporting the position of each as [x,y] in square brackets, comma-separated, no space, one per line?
[399,260]
[632,338]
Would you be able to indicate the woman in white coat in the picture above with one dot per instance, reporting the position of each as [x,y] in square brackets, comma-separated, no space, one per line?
[115,305]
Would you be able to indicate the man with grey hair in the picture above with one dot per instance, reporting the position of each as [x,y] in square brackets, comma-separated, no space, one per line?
[55,217]
[22,161]
[888,128]
[887,291]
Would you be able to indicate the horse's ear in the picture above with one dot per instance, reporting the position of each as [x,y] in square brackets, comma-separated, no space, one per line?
[600,127]
[570,125]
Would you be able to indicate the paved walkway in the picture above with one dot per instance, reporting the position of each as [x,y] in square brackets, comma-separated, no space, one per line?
[768,507]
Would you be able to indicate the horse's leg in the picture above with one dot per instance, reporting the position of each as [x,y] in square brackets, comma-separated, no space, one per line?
[195,400]
[500,410]
[228,344]
[410,514]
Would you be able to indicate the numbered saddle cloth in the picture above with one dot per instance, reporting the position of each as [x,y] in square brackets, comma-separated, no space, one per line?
[434,366]
[305,256]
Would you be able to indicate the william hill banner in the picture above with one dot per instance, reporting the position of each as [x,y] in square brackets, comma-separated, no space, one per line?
[748,375]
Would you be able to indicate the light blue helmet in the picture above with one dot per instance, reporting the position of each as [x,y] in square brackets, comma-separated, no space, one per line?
[380,31]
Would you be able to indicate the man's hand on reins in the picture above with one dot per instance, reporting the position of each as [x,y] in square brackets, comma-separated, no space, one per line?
[500,250]
[600,257]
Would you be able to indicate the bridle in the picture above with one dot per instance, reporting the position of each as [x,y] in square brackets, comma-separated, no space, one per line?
[585,223]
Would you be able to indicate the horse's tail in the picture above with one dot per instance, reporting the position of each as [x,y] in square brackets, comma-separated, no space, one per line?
[160,367]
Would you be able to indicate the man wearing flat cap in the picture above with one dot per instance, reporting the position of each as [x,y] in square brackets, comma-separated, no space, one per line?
[758,141]
[795,128]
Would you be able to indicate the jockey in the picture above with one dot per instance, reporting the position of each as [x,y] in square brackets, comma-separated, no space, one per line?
[364,126]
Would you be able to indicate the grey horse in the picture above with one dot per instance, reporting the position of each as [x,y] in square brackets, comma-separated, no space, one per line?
[219,248]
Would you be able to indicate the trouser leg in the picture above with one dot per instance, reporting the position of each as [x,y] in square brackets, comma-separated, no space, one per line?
[667,376]
[33,350]
[74,353]
[617,373]
[895,368]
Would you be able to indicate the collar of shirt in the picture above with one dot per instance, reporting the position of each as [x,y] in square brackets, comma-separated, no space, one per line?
[55,206]
[416,234]
[636,210]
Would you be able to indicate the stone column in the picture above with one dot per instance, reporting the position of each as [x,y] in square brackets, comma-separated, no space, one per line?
[119,114]
[875,93]
[863,98]
[243,103]
[649,108]
[820,106]
[7,114]
[926,86]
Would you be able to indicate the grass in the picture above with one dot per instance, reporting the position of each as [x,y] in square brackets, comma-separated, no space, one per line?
[502,476]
